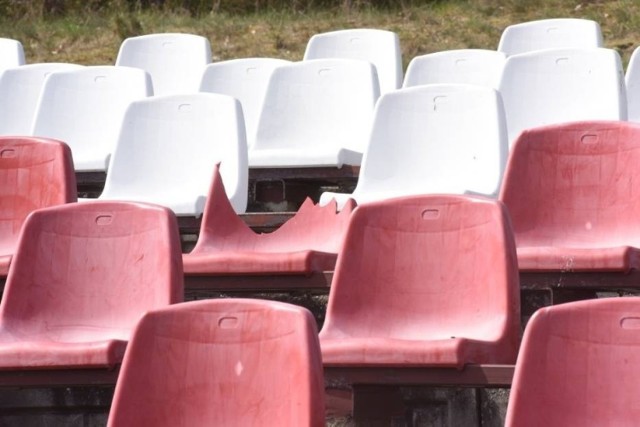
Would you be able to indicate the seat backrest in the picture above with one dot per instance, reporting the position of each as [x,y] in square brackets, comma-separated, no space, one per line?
[85,107]
[245,79]
[222,362]
[575,184]
[550,34]
[90,270]
[436,139]
[468,66]
[380,47]
[575,366]
[174,61]
[20,89]
[34,173]
[632,80]
[556,86]
[11,53]
[324,102]
[427,267]
[168,147]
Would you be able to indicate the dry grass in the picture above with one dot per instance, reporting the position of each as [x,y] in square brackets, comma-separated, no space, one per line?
[94,38]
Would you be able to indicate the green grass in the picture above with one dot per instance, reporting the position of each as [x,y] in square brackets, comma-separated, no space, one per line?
[91,35]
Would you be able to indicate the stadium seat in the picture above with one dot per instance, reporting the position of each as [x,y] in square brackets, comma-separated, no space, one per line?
[555,86]
[424,281]
[11,54]
[573,193]
[632,80]
[576,366]
[468,66]
[85,107]
[245,79]
[225,362]
[34,173]
[174,61]
[308,242]
[168,147]
[316,113]
[82,276]
[380,47]
[433,139]
[550,34]
[20,89]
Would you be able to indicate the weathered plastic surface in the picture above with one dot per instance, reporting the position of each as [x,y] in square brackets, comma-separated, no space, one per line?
[576,366]
[573,193]
[20,89]
[174,61]
[245,79]
[85,107]
[550,34]
[424,281]
[556,86]
[11,53]
[316,113]
[168,147]
[632,81]
[308,242]
[34,173]
[418,145]
[225,362]
[380,47]
[82,276]
[467,66]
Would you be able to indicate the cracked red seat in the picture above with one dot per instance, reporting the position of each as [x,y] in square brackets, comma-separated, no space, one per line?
[34,173]
[81,278]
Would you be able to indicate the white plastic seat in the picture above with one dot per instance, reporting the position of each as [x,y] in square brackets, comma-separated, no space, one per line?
[168,147]
[380,47]
[11,53]
[562,85]
[467,66]
[550,34]
[245,79]
[85,107]
[433,139]
[632,80]
[20,89]
[316,113]
[174,61]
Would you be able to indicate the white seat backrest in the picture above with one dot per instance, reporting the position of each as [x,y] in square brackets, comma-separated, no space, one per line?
[562,85]
[20,89]
[169,145]
[323,102]
[632,80]
[174,61]
[446,138]
[11,53]
[246,80]
[85,107]
[380,47]
[550,34]
[465,66]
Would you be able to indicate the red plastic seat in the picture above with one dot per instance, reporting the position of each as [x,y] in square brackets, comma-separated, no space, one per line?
[573,194]
[226,362]
[81,278]
[308,242]
[34,173]
[425,280]
[577,366]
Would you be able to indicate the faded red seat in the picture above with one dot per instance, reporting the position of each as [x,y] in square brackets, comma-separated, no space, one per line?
[226,362]
[34,173]
[308,242]
[424,280]
[573,194]
[577,366]
[81,278]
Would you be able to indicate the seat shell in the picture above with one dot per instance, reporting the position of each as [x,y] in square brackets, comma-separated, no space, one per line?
[632,84]
[424,281]
[222,362]
[11,54]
